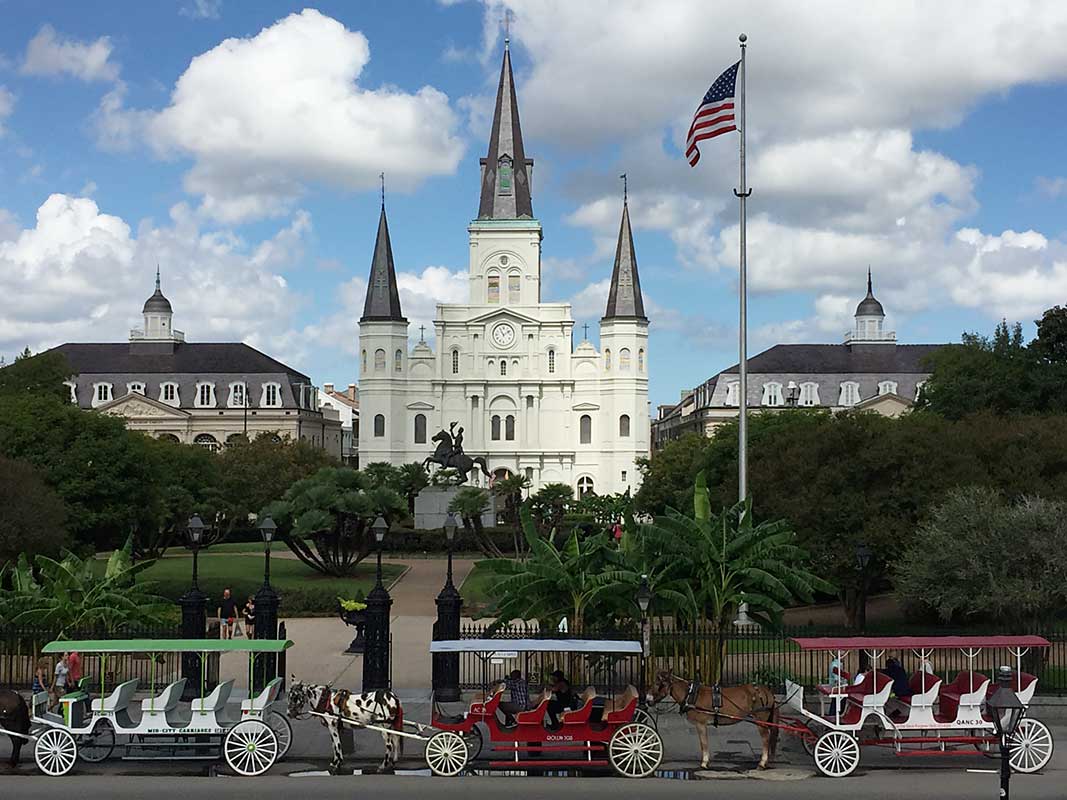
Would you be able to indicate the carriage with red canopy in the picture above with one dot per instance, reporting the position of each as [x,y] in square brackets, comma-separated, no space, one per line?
[933,716]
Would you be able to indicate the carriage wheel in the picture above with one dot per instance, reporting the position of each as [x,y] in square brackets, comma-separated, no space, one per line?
[250,747]
[283,730]
[474,742]
[446,754]
[635,750]
[808,742]
[837,754]
[641,715]
[97,746]
[1031,746]
[55,752]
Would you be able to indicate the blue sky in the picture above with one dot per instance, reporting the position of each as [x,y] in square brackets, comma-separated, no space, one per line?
[238,145]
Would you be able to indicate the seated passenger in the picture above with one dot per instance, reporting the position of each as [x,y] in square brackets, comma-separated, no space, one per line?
[893,669]
[563,697]
[520,697]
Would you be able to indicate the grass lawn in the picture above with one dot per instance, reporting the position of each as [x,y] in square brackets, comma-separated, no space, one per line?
[475,589]
[303,590]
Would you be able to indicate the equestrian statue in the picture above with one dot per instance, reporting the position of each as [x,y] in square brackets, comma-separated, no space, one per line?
[449,454]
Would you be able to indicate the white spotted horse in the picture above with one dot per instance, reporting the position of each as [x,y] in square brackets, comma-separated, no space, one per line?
[380,708]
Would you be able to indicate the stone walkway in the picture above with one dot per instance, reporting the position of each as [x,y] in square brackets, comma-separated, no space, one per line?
[319,642]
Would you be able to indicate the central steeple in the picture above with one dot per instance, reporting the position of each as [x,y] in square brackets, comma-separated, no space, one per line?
[383,295]
[506,170]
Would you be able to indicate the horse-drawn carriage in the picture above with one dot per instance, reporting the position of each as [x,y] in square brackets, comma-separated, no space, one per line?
[935,717]
[249,737]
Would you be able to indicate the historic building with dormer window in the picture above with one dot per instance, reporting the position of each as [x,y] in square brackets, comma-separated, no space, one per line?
[504,367]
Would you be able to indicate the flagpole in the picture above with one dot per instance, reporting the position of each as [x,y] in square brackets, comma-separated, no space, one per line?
[742,195]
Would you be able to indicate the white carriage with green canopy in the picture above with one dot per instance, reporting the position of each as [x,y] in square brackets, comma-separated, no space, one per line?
[249,736]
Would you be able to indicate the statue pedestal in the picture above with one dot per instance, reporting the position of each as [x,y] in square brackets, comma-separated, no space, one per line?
[431,508]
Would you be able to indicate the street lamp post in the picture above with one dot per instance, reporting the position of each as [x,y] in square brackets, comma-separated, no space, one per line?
[863,559]
[267,602]
[792,394]
[449,606]
[194,609]
[1007,710]
[376,654]
[644,598]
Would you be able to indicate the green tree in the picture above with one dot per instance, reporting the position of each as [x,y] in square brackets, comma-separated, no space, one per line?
[470,503]
[41,375]
[381,474]
[326,519]
[981,558]
[549,505]
[33,521]
[667,478]
[1051,342]
[510,489]
[410,480]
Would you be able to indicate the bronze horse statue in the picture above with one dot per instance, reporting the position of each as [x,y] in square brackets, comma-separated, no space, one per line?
[449,455]
[14,717]
[726,705]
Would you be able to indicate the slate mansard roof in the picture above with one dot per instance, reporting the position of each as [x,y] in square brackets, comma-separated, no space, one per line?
[821,359]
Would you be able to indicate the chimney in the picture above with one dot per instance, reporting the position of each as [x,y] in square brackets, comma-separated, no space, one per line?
[328,388]
[352,391]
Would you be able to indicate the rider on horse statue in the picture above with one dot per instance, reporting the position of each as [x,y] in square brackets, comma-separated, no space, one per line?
[449,453]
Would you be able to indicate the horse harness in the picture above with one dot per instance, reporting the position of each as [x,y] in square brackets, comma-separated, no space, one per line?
[689,703]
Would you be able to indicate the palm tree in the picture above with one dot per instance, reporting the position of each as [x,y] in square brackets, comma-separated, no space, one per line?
[550,504]
[471,503]
[511,489]
[410,480]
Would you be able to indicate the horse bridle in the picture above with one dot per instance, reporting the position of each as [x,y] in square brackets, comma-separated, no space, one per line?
[319,708]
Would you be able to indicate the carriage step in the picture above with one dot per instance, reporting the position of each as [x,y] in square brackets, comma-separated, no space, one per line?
[549,762]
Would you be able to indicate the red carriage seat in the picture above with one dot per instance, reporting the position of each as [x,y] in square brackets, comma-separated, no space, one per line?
[948,699]
[580,716]
[873,682]
[625,705]
[535,716]
[919,679]
[1020,682]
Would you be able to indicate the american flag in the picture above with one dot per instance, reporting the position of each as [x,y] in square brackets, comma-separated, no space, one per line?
[715,115]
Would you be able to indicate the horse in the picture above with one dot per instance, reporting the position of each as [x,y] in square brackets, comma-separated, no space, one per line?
[15,717]
[743,703]
[380,707]
[461,462]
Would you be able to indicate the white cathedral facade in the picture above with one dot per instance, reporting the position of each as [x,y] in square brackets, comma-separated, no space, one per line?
[505,369]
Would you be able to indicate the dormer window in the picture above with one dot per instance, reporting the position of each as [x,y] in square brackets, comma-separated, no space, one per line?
[772,394]
[135,387]
[168,393]
[919,390]
[205,395]
[238,395]
[503,175]
[731,393]
[809,394]
[74,391]
[272,396]
[850,394]
[887,387]
[101,394]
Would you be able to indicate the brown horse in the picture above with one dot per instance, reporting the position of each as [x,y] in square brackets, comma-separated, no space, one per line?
[736,704]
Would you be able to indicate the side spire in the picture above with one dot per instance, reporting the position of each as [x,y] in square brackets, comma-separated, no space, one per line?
[157,277]
[624,297]
[506,170]
[383,296]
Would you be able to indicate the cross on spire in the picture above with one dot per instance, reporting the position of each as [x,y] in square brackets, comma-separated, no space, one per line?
[585,329]
[506,22]
[157,276]
[422,334]
[381,177]
[623,176]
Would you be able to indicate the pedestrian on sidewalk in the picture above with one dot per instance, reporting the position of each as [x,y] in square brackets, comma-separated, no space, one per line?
[250,617]
[227,615]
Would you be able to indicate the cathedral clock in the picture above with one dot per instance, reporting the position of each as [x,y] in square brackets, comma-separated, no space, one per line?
[503,335]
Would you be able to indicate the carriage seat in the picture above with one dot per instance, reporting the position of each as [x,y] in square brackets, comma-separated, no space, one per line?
[215,701]
[1023,683]
[165,701]
[873,691]
[118,700]
[919,697]
[959,693]
[535,716]
[488,706]
[623,707]
[580,715]
[263,699]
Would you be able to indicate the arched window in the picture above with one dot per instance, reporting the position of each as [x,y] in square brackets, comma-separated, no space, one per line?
[238,395]
[732,393]
[585,486]
[509,428]
[514,288]
[585,429]
[494,428]
[208,441]
[624,426]
[551,361]
[205,395]
[379,360]
[887,387]
[503,368]
[168,437]
[809,394]
[363,362]
[135,387]
[379,425]
[641,360]
[850,394]
[235,439]
[420,429]
[494,288]
[101,394]
[272,396]
[168,393]
[398,361]
[624,360]
[455,362]
[772,394]
[607,360]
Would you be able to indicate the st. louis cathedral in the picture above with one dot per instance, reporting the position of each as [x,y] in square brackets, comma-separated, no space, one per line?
[505,370]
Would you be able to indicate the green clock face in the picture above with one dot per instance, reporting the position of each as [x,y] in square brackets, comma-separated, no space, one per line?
[503,335]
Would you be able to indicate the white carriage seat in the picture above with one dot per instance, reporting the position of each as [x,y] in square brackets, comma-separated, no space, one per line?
[921,699]
[1027,686]
[882,686]
[215,701]
[264,698]
[166,701]
[118,700]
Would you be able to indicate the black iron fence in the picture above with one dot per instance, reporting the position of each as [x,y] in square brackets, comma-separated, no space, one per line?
[20,653]
[750,654]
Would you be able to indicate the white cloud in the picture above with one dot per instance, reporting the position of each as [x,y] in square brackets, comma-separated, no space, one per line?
[7,106]
[265,116]
[51,53]
[82,275]
[202,9]
[421,292]
[1052,187]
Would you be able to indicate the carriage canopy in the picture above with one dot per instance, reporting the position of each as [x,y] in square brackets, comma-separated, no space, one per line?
[536,646]
[917,642]
[168,645]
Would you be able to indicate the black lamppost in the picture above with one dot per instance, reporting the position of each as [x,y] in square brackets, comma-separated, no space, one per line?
[863,559]
[644,598]
[376,654]
[194,610]
[449,606]
[267,602]
[1007,710]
